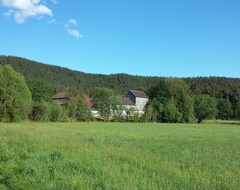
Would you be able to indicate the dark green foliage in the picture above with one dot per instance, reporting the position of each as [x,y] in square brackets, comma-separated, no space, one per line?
[150,115]
[237,111]
[41,96]
[184,105]
[205,107]
[169,101]
[1,110]
[15,97]
[224,109]
[154,111]
[219,87]
[61,77]
[41,90]
[160,92]
[175,85]
[235,101]
[171,114]
[164,90]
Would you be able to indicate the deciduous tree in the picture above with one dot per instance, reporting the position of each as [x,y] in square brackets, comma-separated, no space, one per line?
[205,107]
[224,109]
[15,97]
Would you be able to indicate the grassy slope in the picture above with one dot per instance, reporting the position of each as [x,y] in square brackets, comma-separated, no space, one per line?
[119,156]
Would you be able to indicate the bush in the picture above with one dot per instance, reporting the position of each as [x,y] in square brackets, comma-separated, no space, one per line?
[78,110]
[40,111]
[224,109]
[171,114]
[15,97]
[58,113]
[205,107]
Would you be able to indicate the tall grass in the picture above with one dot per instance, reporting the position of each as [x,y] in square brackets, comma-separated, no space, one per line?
[119,156]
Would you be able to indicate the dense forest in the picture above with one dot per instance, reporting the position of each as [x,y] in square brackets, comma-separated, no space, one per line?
[171,99]
[61,77]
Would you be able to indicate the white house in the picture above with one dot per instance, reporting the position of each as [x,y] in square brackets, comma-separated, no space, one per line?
[136,99]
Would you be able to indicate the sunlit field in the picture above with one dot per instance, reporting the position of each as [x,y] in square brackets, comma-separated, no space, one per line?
[119,156]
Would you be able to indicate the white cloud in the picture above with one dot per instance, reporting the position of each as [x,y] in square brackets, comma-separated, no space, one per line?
[52,21]
[54,1]
[72,22]
[22,9]
[73,32]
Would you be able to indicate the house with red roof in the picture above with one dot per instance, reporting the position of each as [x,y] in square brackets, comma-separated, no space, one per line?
[62,99]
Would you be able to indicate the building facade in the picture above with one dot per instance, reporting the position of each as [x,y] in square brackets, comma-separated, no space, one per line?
[136,99]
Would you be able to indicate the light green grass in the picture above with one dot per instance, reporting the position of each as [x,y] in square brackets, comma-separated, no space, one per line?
[119,156]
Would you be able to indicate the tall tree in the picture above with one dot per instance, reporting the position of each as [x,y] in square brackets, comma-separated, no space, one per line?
[171,114]
[185,106]
[175,85]
[205,107]
[224,109]
[102,102]
[15,96]
[235,99]
[78,109]
[40,90]
[160,92]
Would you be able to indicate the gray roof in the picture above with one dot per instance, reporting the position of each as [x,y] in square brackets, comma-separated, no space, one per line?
[139,94]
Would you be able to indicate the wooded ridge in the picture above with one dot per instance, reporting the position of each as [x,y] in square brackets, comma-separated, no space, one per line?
[60,77]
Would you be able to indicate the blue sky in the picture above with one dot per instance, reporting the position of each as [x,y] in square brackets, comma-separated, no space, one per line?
[142,37]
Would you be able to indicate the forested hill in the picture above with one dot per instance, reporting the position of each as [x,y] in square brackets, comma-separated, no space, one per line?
[62,77]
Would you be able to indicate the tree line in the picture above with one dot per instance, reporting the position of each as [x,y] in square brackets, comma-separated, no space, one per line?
[60,78]
[171,99]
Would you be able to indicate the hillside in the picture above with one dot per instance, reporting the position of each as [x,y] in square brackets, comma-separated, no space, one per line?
[61,77]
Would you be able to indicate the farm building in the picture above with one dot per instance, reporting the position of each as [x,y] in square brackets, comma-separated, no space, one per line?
[62,99]
[132,99]
[135,99]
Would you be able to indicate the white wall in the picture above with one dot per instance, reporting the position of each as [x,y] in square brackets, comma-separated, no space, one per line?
[141,103]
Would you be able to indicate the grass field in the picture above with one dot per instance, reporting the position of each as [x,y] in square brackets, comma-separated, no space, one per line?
[119,156]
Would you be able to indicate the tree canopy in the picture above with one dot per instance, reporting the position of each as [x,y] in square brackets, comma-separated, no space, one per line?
[15,97]
[205,107]
[165,93]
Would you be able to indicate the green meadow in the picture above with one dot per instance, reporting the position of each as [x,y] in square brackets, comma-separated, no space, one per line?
[119,156]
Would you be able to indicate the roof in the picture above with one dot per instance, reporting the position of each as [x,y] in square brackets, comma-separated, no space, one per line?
[139,94]
[127,101]
[88,101]
[60,95]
